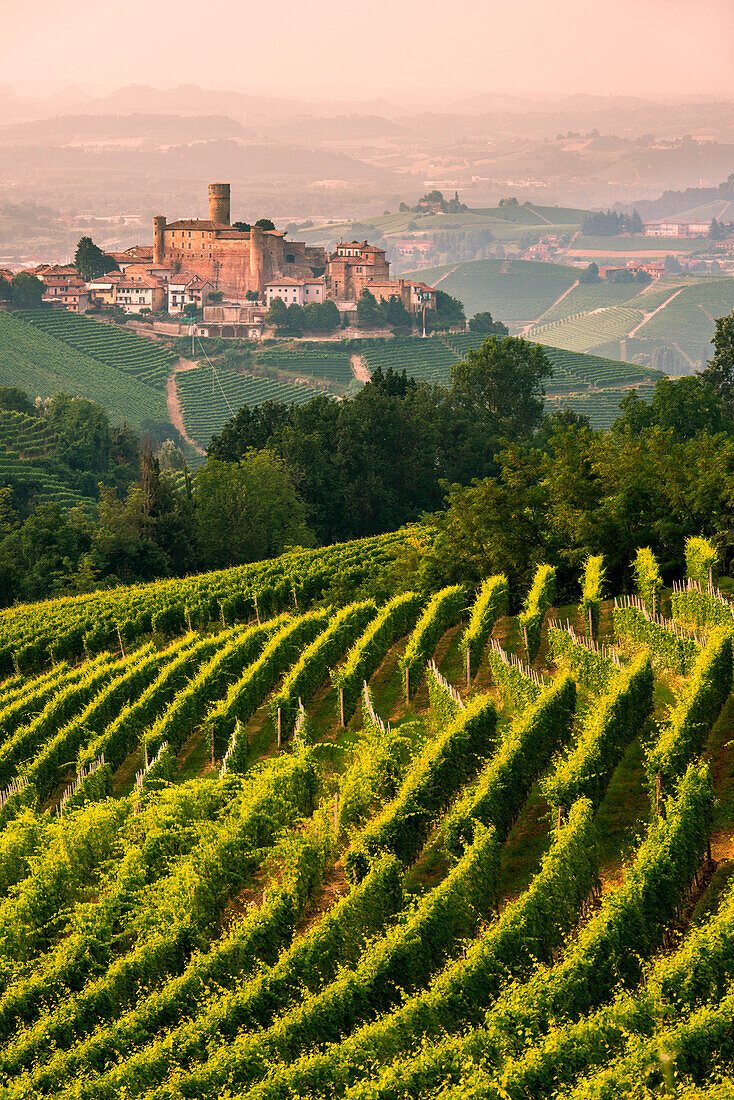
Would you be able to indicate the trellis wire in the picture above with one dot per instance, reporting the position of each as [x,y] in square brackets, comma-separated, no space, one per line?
[585,642]
[443,683]
[514,662]
[73,787]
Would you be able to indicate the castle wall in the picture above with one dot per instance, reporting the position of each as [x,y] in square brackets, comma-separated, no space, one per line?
[232,265]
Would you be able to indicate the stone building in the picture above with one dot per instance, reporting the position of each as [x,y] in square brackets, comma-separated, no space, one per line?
[232,260]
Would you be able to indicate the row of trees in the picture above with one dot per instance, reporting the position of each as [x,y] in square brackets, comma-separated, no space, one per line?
[608,223]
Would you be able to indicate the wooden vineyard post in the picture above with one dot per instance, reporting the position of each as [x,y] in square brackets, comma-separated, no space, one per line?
[119,637]
[279,726]
[659,804]
[591,624]
[561,812]
[525,637]
[295,598]
[221,608]
[257,609]
[468,667]
[188,620]
[341,707]
[407,686]
[336,814]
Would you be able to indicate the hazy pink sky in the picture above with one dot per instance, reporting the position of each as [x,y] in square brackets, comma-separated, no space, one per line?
[669,47]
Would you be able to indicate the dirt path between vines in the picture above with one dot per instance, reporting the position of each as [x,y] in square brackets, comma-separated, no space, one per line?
[646,316]
[360,370]
[175,413]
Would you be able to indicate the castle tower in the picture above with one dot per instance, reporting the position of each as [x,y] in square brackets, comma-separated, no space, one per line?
[219,203]
[159,225]
[257,257]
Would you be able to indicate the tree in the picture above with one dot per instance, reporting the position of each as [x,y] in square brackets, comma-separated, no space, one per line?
[368,314]
[83,433]
[499,387]
[27,291]
[248,511]
[277,314]
[717,231]
[252,296]
[394,312]
[16,400]
[6,290]
[295,321]
[449,311]
[90,261]
[590,274]
[484,323]
[215,296]
[720,370]
[265,223]
[244,227]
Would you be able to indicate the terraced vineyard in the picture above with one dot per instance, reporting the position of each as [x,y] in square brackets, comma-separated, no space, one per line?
[427,360]
[588,330]
[246,891]
[211,396]
[42,366]
[320,362]
[28,461]
[688,320]
[109,344]
[515,291]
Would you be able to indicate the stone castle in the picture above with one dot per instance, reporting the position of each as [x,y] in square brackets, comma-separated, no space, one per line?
[232,260]
[261,261]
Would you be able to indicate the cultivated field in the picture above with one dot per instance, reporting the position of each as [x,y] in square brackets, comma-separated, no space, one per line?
[253,841]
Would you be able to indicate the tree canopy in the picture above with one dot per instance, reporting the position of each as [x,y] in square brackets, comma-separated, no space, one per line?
[91,262]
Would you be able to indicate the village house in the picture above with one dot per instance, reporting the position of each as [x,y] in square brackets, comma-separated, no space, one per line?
[187,290]
[137,291]
[300,292]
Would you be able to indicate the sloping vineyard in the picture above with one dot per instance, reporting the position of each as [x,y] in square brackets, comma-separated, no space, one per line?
[294,831]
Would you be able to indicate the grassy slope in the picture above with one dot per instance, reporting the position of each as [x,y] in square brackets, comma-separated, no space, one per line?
[43,366]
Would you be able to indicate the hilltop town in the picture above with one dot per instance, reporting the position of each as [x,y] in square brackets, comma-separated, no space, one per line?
[226,276]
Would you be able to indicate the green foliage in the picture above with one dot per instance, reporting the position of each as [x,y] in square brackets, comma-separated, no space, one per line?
[529,930]
[523,754]
[434,779]
[247,693]
[670,646]
[592,588]
[90,261]
[491,604]
[648,581]
[606,730]
[312,666]
[691,719]
[444,609]
[365,656]
[701,559]
[539,599]
[595,667]
[249,511]
[518,684]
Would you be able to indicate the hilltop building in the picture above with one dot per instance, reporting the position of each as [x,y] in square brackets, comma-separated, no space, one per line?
[232,260]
